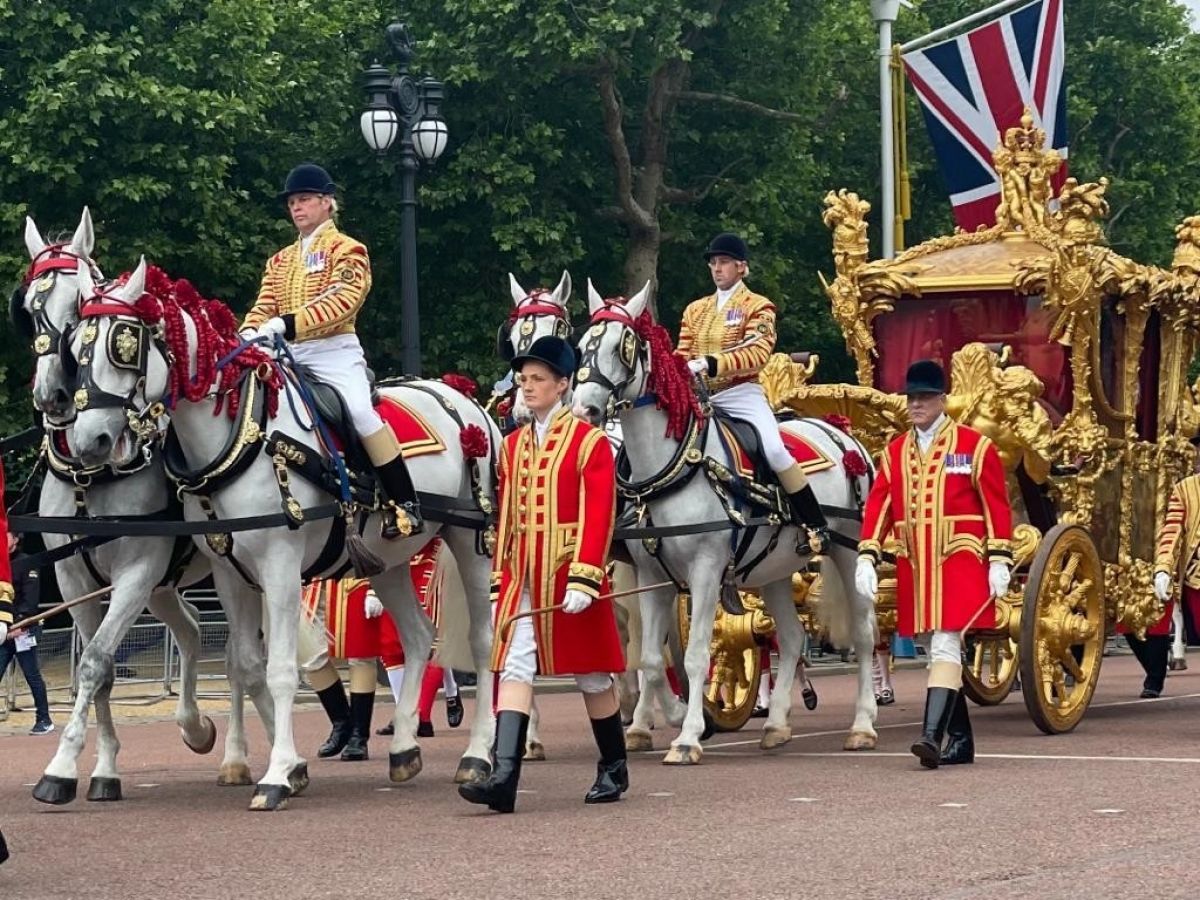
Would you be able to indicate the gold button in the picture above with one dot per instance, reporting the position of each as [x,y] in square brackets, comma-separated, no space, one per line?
[524,489]
[522,509]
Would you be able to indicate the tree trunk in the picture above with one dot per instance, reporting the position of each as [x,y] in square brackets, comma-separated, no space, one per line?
[641,265]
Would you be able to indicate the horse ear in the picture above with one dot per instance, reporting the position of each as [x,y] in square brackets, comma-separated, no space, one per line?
[637,303]
[33,239]
[595,301]
[87,286]
[514,288]
[84,239]
[132,290]
[562,293]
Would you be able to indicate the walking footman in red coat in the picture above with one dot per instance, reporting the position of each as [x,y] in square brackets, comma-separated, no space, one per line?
[941,490]
[557,508]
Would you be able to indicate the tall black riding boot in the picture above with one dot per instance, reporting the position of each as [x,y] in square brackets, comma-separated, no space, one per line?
[612,771]
[939,704]
[960,743]
[400,495]
[807,511]
[499,791]
[361,707]
[333,698]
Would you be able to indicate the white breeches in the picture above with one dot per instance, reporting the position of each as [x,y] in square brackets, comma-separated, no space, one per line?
[520,664]
[312,644]
[748,402]
[946,646]
[339,361]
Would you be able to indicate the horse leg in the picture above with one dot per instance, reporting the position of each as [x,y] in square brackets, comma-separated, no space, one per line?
[198,731]
[535,750]
[395,590]
[475,573]
[704,584]
[279,575]
[1178,657]
[837,575]
[777,597]
[60,780]
[656,608]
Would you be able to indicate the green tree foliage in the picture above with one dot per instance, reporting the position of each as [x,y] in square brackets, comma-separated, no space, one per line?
[611,137]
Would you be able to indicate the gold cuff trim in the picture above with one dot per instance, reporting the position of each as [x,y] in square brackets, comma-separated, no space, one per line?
[587,586]
[871,549]
[583,570]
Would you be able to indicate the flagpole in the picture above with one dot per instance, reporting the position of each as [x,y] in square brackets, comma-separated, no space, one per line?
[884,12]
[946,30]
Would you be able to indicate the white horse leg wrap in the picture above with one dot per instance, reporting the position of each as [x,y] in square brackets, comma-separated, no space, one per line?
[595,683]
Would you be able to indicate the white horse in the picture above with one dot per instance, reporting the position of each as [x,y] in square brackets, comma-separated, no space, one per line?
[139,569]
[272,559]
[621,370]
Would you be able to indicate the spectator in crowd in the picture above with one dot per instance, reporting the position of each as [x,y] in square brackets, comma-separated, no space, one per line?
[22,643]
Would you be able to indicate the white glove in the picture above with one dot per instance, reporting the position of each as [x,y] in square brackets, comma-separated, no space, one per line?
[372,606]
[3,632]
[998,579]
[698,367]
[1162,586]
[248,334]
[866,579]
[576,601]
[272,327]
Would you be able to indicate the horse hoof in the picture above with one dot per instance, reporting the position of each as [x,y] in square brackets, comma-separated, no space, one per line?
[472,770]
[405,765]
[205,744]
[54,790]
[710,727]
[775,736]
[234,775]
[859,740]
[104,789]
[1177,665]
[270,797]
[637,739]
[535,751]
[683,755]
[298,779]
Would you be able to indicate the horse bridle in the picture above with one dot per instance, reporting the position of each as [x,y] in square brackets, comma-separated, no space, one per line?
[631,351]
[128,348]
[34,323]
[525,312]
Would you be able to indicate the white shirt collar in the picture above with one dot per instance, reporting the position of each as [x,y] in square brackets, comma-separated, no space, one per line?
[306,242]
[925,438]
[724,295]
[541,426]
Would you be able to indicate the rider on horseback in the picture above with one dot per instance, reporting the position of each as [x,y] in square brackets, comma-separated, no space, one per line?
[311,293]
[727,338]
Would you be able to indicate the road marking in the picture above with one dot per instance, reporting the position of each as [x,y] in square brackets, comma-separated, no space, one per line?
[150,785]
[526,791]
[383,790]
[661,794]
[879,754]
[802,799]
[1108,812]
[953,805]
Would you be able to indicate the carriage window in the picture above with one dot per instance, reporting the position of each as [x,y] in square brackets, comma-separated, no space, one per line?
[934,328]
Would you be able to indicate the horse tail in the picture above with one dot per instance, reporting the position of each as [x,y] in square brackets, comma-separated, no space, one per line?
[835,612]
[452,620]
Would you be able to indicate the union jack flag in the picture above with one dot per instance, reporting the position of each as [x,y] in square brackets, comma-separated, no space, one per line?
[975,86]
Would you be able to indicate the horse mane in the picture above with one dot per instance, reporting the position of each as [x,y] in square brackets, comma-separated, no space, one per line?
[669,380]
[166,300]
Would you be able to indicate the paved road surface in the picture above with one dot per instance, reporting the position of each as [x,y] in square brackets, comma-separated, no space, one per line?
[1109,810]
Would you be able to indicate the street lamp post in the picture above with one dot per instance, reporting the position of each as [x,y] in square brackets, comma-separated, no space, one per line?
[400,106]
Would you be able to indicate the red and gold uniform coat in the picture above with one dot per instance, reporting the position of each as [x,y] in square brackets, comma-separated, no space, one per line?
[740,336]
[1178,552]
[351,634]
[950,513]
[557,509]
[322,288]
[6,586]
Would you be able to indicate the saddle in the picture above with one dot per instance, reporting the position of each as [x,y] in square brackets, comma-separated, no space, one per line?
[331,408]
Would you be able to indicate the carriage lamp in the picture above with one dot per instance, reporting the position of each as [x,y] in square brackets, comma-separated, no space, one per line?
[400,106]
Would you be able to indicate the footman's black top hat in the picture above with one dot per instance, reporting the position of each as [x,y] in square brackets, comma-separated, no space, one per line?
[727,244]
[307,178]
[551,350]
[925,377]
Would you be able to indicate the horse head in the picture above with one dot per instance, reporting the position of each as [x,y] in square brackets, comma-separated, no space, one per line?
[45,307]
[535,314]
[614,358]
[119,366]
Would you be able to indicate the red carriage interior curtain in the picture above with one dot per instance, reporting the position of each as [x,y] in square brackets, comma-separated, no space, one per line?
[934,328]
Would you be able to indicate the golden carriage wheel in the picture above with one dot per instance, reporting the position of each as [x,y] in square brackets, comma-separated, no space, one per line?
[730,695]
[991,668]
[1062,629]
